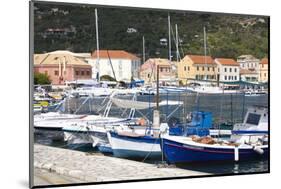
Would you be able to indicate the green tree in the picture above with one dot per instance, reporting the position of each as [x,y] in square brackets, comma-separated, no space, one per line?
[107,78]
[41,79]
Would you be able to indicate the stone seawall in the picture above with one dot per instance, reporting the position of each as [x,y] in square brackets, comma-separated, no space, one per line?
[96,167]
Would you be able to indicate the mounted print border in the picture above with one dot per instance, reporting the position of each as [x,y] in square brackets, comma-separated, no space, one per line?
[129,94]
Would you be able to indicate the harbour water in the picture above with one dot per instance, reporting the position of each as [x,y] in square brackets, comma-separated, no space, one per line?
[225,108]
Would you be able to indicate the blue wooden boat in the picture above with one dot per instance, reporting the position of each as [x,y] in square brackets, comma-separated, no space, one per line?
[248,140]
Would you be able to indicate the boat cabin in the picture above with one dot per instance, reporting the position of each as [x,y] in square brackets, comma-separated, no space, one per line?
[254,126]
[198,123]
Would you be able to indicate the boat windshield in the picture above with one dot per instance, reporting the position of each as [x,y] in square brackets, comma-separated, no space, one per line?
[253,119]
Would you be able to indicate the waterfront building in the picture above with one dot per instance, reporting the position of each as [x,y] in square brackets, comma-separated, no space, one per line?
[228,70]
[118,64]
[148,71]
[248,62]
[249,75]
[62,66]
[263,70]
[197,67]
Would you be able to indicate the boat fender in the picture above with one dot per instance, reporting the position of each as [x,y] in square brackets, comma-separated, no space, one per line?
[164,127]
[95,143]
[258,150]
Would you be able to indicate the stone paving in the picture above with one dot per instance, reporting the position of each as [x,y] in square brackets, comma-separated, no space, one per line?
[97,167]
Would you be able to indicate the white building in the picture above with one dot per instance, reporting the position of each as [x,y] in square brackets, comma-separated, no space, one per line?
[118,64]
[228,69]
[248,62]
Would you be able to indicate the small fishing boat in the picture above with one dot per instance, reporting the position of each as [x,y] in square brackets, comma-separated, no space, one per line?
[133,145]
[248,140]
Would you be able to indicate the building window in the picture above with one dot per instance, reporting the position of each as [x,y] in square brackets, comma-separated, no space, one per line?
[188,68]
[235,69]
[82,72]
[56,72]
[203,68]
[225,69]
[218,70]
[213,69]
[161,69]
[235,77]
[229,77]
[76,72]
[88,72]
[264,74]
[197,68]
[208,69]
[225,77]
[184,68]
[230,69]
[148,75]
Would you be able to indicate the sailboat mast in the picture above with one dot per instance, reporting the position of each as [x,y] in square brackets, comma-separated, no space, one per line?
[143,49]
[177,42]
[97,40]
[169,28]
[205,51]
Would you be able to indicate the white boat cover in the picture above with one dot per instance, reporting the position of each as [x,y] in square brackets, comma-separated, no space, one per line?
[140,105]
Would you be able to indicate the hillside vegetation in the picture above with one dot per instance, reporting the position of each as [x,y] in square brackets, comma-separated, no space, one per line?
[227,35]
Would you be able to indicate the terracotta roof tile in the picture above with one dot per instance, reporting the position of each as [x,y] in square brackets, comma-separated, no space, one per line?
[227,61]
[152,62]
[264,61]
[199,59]
[114,54]
[56,58]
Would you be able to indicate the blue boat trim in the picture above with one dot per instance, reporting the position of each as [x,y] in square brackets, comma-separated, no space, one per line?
[146,139]
[249,132]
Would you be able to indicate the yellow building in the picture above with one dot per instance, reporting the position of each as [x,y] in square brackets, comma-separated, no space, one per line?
[263,70]
[196,67]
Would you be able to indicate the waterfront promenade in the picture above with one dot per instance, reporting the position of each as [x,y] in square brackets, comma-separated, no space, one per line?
[63,166]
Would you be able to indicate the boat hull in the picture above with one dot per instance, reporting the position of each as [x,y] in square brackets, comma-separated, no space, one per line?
[176,152]
[134,147]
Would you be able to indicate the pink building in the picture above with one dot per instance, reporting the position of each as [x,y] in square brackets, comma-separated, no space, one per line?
[62,66]
[148,70]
